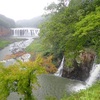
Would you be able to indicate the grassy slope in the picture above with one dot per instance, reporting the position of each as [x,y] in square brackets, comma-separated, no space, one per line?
[3,43]
[35,46]
[92,93]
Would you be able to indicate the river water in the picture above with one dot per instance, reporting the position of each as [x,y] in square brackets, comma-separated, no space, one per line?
[4,52]
[51,86]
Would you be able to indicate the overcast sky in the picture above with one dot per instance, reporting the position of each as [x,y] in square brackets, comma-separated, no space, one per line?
[23,9]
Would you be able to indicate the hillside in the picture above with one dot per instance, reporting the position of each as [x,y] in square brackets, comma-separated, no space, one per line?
[6,22]
[5,25]
[34,22]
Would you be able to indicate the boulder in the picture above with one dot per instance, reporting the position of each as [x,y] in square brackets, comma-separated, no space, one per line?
[80,71]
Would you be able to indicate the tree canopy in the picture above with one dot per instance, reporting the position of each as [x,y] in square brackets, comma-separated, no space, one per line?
[72,29]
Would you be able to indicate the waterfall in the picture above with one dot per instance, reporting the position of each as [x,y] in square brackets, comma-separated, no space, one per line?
[60,69]
[94,74]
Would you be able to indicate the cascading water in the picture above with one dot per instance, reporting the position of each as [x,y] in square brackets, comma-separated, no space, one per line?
[60,69]
[94,74]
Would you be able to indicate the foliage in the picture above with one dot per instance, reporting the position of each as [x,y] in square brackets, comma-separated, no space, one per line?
[91,93]
[72,29]
[36,49]
[86,35]
[87,32]
[50,98]
[49,66]
[51,8]
[20,78]
[54,8]
[35,46]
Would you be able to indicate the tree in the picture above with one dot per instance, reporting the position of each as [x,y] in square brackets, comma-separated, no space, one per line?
[57,29]
[20,78]
[88,30]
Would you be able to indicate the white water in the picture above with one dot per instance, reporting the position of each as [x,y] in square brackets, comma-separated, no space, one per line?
[94,74]
[60,69]
[19,46]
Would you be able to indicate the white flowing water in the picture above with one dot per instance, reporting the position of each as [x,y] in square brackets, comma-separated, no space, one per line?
[60,69]
[19,46]
[94,74]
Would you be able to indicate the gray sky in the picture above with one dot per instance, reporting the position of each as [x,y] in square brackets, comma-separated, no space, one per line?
[23,9]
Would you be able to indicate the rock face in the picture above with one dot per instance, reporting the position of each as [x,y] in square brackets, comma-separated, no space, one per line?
[81,70]
[4,31]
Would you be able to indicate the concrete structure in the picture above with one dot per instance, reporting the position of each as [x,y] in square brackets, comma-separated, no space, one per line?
[25,32]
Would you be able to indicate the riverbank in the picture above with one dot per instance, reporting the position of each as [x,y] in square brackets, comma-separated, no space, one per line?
[5,41]
[15,50]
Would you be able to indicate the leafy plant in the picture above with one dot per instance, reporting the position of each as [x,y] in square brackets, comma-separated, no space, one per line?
[20,78]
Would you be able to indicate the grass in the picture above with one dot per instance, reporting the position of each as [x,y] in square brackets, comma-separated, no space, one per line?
[35,46]
[3,43]
[92,93]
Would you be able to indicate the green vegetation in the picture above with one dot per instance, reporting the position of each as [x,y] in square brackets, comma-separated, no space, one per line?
[67,32]
[20,78]
[91,93]
[35,46]
[72,29]
[3,43]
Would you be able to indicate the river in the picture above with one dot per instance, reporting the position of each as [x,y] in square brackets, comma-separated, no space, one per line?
[4,52]
[51,86]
